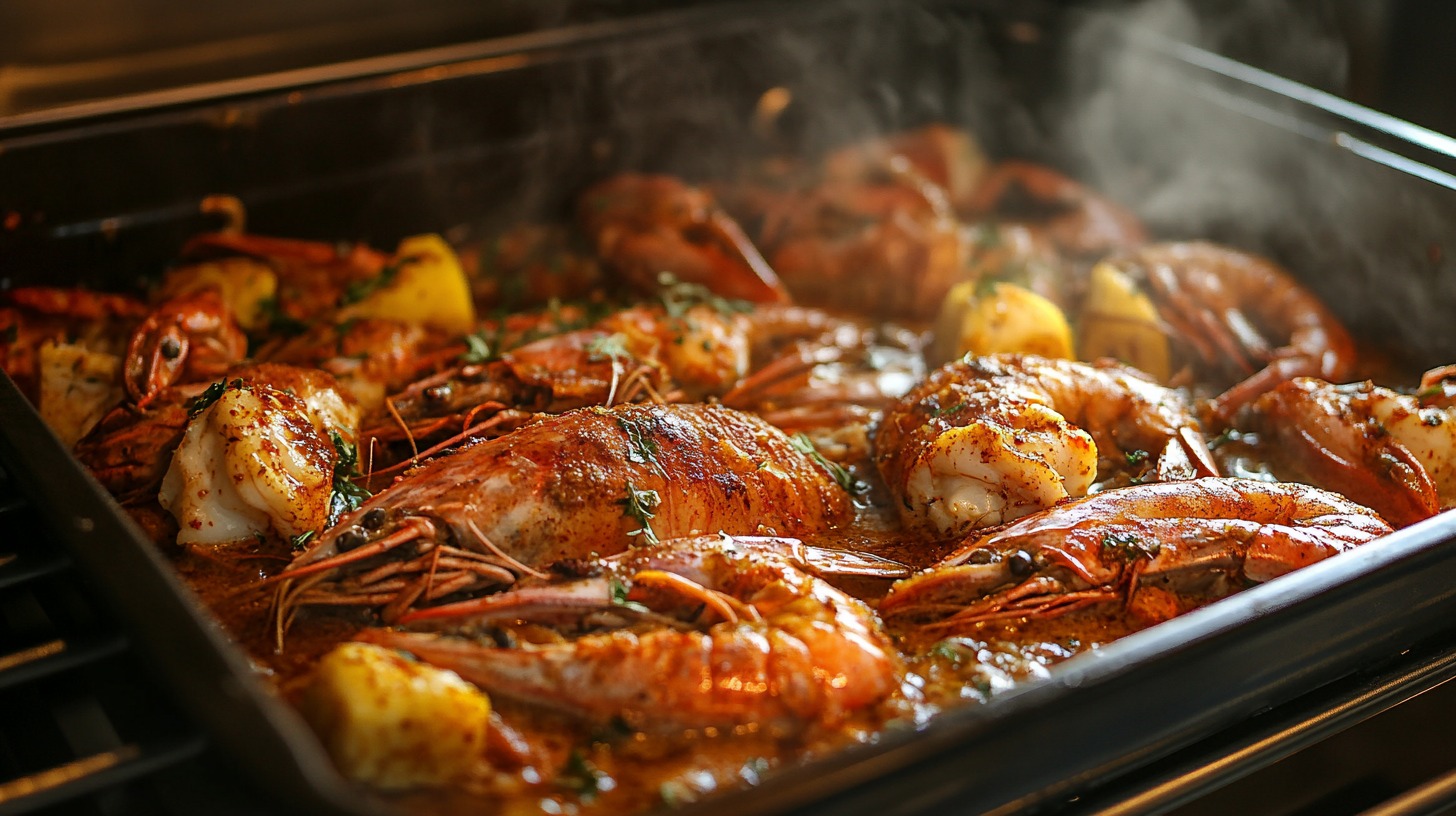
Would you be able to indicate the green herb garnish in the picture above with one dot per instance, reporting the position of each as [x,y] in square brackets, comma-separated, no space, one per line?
[947,410]
[641,447]
[1127,546]
[680,296]
[214,392]
[638,506]
[611,347]
[346,495]
[301,540]
[280,322]
[583,778]
[477,349]
[618,591]
[803,444]
[1137,457]
[358,290]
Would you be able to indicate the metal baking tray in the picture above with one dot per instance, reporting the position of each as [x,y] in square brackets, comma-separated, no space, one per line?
[477,135]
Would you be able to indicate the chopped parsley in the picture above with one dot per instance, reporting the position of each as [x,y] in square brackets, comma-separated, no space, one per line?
[803,444]
[279,321]
[949,650]
[618,590]
[947,410]
[358,290]
[301,540]
[641,447]
[1137,457]
[346,494]
[611,347]
[680,296]
[638,506]
[1127,546]
[214,392]
[1228,435]
[583,778]
[477,349]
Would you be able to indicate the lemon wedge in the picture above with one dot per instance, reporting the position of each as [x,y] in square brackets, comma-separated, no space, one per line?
[1121,322]
[426,284]
[999,318]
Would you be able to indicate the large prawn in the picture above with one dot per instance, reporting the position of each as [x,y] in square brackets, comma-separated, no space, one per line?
[644,225]
[1244,318]
[586,483]
[1159,548]
[705,632]
[797,364]
[989,439]
[1396,451]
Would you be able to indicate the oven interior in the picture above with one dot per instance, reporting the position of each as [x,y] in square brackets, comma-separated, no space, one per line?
[510,129]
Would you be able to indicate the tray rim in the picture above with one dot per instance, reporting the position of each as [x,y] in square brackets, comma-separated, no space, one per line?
[1395,553]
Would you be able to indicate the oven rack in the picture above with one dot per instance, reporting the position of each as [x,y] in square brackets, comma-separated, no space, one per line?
[85,727]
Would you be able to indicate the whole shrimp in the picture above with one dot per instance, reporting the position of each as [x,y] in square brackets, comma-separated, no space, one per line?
[189,338]
[694,633]
[643,225]
[584,483]
[1078,221]
[782,361]
[1244,318]
[886,246]
[989,439]
[1397,452]
[1158,548]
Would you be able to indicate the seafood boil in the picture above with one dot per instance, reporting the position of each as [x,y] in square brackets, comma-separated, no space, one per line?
[742,474]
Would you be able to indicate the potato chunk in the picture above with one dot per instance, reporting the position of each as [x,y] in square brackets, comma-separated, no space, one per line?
[77,386]
[999,318]
[393,723]
[1121,322]
[425,285]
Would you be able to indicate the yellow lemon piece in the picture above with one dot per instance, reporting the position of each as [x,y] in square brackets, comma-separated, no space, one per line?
[246,284]
[77,387]
[424,284]
[392,722]
[999,318]
[1121,322]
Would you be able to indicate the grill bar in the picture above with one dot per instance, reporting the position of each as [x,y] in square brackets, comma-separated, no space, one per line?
[56,656]
[95,772]
[24,567]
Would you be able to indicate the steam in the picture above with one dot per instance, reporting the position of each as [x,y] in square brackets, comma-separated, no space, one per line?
[1202,156]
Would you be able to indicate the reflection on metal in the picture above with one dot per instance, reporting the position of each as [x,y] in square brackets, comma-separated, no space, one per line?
[65,774]
[34,653]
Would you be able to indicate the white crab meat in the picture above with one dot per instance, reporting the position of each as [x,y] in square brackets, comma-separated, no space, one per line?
[394,723]
[254,462]
[1428,433]
[991,472]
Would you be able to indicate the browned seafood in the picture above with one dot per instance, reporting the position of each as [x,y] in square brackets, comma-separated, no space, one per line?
[989,439]
[1392,450]
[1245,319]
[586,483]
[698,633]
[643,226]
[1159,548]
